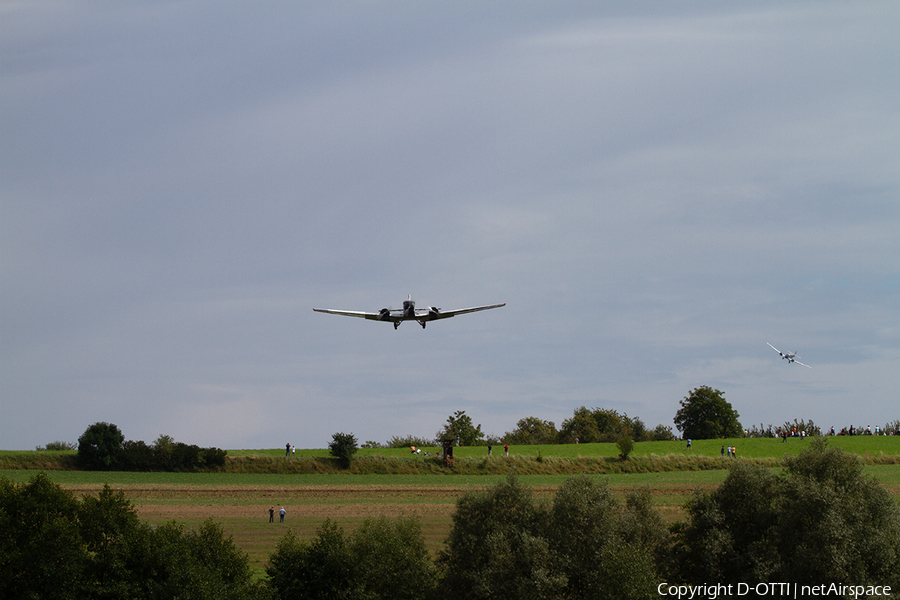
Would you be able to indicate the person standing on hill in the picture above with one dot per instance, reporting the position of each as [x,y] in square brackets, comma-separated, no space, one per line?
[271,514]
[281,512]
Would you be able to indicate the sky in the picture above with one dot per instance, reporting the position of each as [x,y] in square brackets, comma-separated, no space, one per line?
[656,190]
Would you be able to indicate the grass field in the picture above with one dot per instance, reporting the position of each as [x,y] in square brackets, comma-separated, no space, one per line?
[749,447]
[239,502]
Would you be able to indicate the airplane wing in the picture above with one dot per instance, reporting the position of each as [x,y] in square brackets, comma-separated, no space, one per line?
[773,348]
[446,314]
[800,363]
[362,315]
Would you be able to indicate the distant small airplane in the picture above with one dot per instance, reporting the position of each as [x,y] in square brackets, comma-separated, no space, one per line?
[409,312]
[790,356]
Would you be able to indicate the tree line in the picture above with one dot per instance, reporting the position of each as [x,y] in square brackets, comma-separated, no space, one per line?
[703,414]
[102,447]
[822,521]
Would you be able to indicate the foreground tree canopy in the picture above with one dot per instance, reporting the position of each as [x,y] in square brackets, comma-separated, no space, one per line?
[705,414]
[823,521]
[53,545]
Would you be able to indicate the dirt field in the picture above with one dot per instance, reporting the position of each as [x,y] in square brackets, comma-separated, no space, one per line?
[243,510]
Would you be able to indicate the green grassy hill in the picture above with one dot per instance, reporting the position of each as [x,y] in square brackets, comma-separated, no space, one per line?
[646,457]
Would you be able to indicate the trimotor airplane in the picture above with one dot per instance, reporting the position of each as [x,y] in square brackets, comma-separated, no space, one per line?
[409,312]
[790,356]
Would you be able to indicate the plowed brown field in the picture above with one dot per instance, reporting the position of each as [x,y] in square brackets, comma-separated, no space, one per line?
[242,511]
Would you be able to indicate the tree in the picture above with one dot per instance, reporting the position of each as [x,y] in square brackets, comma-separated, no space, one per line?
[343,447]
[54,546]
[596,425]
[496,547]
[823,521]
[99,446]
[460,424]
[320,569]
[603,550]
[705,414]
[503,545]
[582,426]
[41,553]
[391,560]
[836,523]
[532,430]
[382,559]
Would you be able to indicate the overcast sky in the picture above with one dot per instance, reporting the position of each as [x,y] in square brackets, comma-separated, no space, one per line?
[656,190]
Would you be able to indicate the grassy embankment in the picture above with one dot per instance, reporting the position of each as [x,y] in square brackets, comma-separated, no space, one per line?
[566,459]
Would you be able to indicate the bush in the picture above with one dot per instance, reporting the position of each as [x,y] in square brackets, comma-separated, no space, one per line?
[407,441]
[57,447]
[625,446]
[343,447]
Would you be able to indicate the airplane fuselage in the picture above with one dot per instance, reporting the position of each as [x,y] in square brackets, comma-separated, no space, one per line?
[408,313]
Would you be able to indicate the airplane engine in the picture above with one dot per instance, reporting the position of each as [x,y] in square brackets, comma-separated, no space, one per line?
[433,311]
[384,314]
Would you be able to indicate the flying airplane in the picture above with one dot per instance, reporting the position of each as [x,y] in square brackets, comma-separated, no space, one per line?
[409,312]
[790,356]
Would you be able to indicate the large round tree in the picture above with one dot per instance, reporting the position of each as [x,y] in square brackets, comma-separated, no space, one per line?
[99,446]
[705,414]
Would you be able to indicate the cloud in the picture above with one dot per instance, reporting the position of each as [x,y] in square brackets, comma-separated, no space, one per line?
[656,192]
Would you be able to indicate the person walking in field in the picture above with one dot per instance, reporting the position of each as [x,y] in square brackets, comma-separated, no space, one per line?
[281,512]
[506,449]
[271,514]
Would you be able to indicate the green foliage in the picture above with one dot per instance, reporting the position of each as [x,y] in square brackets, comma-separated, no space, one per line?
[582,427]
[343,447]
[601,425]
[730,529]
[99,446]
[41,554]
[163,443]
[603,550]
[806,427]
[503,545]
[705,414]
[321,568]
[57,447]
[167,455]
[625,446]
[391,561]
[824,521]
[459,424]
[662,433]
[495,548]
[53,546]
[407,441]
[531,430]
[382,559]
